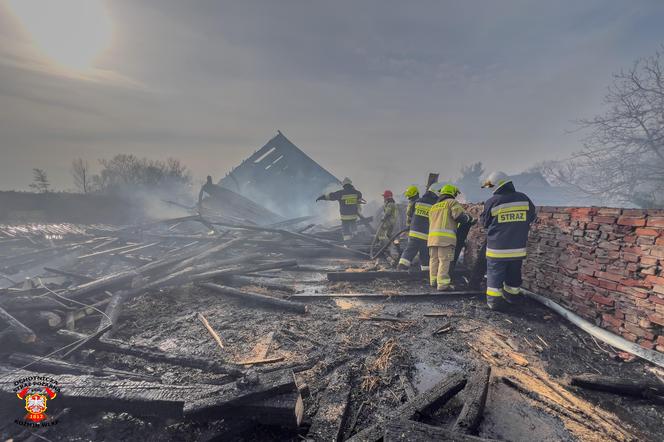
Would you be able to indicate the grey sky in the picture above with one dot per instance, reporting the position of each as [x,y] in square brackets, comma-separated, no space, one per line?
[381,91]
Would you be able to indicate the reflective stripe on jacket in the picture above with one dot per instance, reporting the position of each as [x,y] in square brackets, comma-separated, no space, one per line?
[349,202]
[443,220]
[419,226]
[507,217]
[410,210]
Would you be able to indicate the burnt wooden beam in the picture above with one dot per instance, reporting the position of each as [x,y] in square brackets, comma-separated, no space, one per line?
[72,275]
[426,296]
[475,399]
[153,355]
[57,366]
[225,397]
[626,387]
[411,431]
[329,421]
[284,410]
[256,298]
[370,276]
[423,404]
[20,330]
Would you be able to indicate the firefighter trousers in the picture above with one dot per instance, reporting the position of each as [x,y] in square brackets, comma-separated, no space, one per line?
[503,279]
[415,246]
[348,229]
[439,266]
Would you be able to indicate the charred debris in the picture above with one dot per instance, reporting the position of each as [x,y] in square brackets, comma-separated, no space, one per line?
[246,325]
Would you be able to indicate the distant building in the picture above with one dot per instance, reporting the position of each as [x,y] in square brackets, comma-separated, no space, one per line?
[281,177]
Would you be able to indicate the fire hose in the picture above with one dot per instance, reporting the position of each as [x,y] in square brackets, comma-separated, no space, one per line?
[373,255]
[616,341]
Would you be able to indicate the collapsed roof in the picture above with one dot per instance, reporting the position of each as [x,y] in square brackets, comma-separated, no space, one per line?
[280,177]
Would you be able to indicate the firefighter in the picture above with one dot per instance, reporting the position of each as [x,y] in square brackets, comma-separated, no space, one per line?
[444,218]
[507,217]
[210,188]
[413,194]
[389,220]
[349,207]
[419,232]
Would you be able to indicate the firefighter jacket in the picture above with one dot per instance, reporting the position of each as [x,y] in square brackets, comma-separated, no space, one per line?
[444,218]
[389,214]
[349,202]
[389,219]
[507,217]
[410,210]
[419,227]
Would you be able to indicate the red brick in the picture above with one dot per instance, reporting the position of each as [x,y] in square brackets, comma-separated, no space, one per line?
[657,319]
[660,241]
[655,221]
[630,257]
[610,276]
[629,336]
[647,344]
[610,319]
[638,331]
[655,279]
[649,260]
[603,300]
[632,221]
[610,285]
[657,299]
[657,251]
[647,232]
[660,340]
[658,289]
[660,348]
[609,211]
[604,219]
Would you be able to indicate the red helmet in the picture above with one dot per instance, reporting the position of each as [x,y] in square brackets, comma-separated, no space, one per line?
[387,194]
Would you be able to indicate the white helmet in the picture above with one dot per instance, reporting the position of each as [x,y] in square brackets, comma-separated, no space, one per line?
[435,187]
[496,179]
[346,181]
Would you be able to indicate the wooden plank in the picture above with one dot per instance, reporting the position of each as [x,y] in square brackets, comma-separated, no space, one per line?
[20,330]
[327,424]
[424,404]
[263,300]
[425,296]
[57,366]
[210,330]
[411,431]
[475,399]
[284,410]
[627,387]
[369,276]
[152,354]
[244,390]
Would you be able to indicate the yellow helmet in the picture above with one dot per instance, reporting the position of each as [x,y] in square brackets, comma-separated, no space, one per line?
[450,189]
[411,191]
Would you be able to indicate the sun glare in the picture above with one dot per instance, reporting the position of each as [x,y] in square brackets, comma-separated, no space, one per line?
[72,33]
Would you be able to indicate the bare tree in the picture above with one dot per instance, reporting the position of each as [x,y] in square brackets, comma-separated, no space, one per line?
[39,181]
[127,171]
[623,156]
[80,170]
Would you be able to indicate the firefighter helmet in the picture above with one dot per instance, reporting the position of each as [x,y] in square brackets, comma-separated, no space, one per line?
[411,191]
[450,189]
[496,179]
[388,194]
[346,182]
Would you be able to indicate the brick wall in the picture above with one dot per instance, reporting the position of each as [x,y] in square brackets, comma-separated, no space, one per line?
[605,264]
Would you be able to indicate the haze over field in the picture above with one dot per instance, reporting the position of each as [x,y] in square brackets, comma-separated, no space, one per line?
[379,91]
